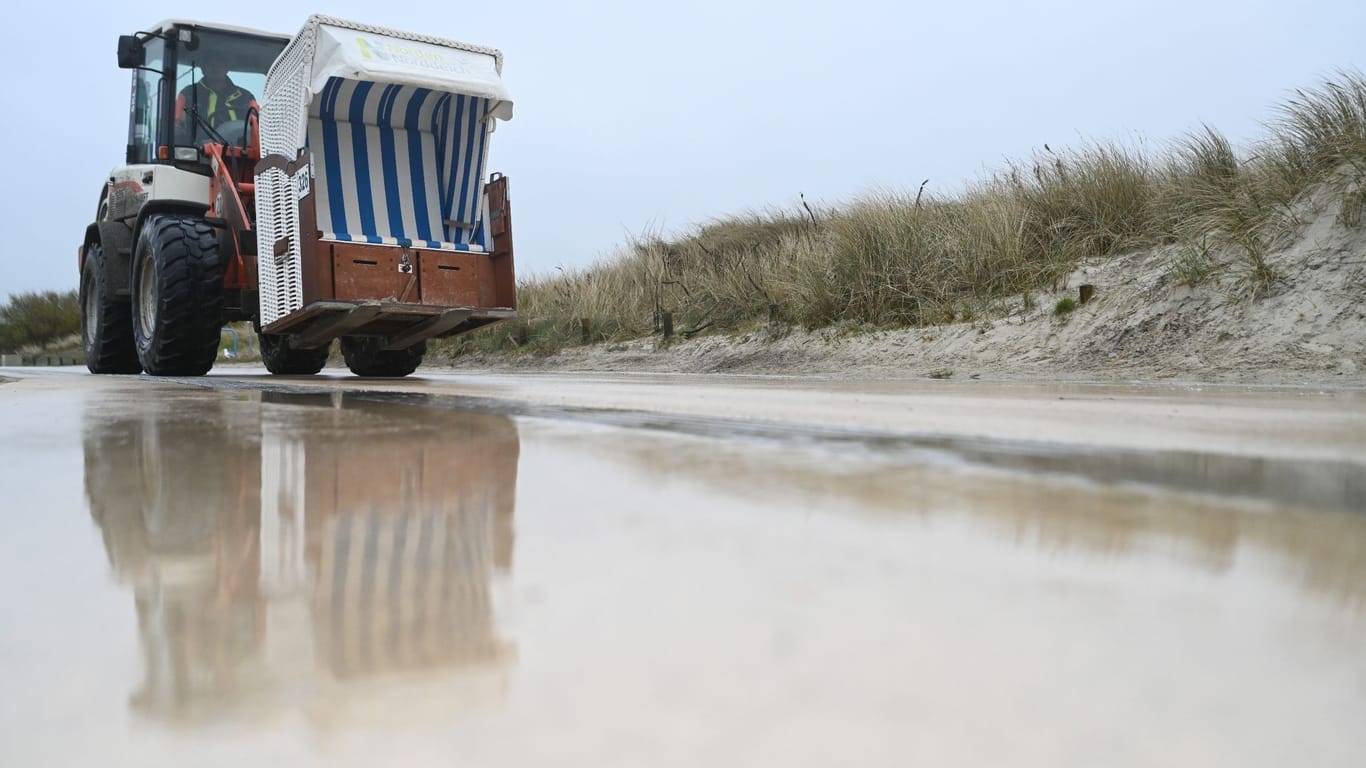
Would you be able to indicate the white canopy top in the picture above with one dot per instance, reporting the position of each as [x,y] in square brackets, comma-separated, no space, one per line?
[375,54]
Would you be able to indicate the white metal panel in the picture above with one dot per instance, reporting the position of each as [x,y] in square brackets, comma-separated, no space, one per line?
[171,183]
[166,183]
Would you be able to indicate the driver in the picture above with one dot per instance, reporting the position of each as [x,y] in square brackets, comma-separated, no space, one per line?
[215,97]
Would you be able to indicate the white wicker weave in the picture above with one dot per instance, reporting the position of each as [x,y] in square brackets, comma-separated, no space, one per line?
[284,128]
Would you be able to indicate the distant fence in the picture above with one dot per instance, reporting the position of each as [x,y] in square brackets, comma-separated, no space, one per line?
[14,361]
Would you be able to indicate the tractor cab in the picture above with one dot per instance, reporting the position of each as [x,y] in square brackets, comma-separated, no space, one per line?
[194,84]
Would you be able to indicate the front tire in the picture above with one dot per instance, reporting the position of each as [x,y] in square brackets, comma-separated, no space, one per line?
[106,323]
[365,358]
[282,359]
[177,296]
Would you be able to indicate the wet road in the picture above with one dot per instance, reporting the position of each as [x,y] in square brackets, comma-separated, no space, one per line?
[485,570]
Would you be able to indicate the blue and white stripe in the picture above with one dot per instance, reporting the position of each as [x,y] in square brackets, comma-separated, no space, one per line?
[399,164]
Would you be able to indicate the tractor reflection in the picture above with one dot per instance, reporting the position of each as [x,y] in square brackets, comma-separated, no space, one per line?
[289,550]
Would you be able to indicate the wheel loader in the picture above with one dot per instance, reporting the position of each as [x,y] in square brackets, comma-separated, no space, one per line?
[329,185]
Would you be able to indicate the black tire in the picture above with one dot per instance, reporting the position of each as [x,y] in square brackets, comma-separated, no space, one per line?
[106,323]
[365,358]
[282,359]
[177,287]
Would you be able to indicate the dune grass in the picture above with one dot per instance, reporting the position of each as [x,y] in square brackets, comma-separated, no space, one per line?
[893,259]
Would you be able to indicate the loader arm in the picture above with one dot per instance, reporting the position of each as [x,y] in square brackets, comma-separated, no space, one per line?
[232,206]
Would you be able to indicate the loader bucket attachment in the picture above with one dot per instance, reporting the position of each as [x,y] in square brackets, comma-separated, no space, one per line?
[375,212]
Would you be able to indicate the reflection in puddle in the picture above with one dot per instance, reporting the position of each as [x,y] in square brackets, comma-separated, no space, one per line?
[1084,505]
[320,581]
[1316,483]
[306,548]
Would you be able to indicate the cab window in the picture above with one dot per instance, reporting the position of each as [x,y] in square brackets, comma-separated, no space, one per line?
[144,125]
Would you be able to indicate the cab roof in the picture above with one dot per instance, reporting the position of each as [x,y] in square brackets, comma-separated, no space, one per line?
[169,24]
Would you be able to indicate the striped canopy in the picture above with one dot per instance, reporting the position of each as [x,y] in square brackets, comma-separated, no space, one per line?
[399,164]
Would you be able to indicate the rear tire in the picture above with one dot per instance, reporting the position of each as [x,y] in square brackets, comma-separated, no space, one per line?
[282,359]
[365,358]
[106,323]
[177,296]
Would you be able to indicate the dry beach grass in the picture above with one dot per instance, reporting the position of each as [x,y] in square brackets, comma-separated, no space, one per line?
[1215,213]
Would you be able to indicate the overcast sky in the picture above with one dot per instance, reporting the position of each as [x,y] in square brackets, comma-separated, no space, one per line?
[635,116]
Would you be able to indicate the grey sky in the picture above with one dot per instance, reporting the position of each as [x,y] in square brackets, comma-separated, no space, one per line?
[633,116]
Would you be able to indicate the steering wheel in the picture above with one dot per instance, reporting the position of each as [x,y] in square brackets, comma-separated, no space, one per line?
[234,132]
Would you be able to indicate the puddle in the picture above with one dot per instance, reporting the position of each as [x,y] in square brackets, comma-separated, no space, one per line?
[326,578]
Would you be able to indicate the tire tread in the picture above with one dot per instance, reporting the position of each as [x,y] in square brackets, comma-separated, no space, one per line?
[190,298]
[365,358]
